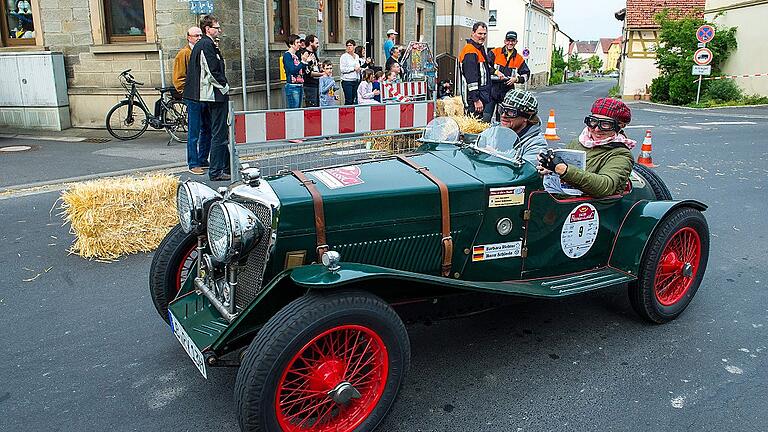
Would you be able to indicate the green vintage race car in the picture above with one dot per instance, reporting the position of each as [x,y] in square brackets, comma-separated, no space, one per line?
[305,279]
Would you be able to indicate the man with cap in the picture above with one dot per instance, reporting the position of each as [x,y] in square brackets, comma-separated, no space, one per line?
[609,156]
[509,68]
[475,73]
[519,112]
[389,43]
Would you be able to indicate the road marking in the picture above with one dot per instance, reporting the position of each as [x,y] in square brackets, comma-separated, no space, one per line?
[548,92]
[43,138]
[726,123]
[639,127]
[708,113]
[689,127]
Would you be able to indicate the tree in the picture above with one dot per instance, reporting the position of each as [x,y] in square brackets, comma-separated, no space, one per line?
[674,55]
[575,63]
[558,66]
[594,63]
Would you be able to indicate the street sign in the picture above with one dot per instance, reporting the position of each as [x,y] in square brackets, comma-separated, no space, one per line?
[701,70]
[702,56]
[705,33]
[701,45]
[526,53]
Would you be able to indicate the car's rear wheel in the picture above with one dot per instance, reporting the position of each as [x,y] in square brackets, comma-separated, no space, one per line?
[325,362]
[659,188]
[174,259]
[672,266]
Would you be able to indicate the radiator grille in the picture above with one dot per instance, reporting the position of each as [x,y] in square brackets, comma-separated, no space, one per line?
[250,278]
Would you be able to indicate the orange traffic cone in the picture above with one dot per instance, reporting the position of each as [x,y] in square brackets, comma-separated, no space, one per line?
[551,133]
[645,152]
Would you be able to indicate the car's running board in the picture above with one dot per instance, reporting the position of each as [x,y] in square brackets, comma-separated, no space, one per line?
[571,284]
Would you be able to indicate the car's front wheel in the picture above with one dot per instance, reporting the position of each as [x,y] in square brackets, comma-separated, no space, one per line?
[325,362]
[672,266]
[173,261]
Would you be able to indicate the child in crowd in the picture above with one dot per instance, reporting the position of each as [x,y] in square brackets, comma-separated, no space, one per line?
[393,77]
[365,91]
[378,78]
[328,86]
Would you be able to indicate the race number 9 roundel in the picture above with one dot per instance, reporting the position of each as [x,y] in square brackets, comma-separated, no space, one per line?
[579,231]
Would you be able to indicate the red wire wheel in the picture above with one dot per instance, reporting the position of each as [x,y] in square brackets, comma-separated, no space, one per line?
[188,261]
[672,267]
[678,266]
[172,263]
[326,361]
[334,382]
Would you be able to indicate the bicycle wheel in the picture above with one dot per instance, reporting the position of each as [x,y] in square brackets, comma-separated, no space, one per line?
[175,120]
[121,126]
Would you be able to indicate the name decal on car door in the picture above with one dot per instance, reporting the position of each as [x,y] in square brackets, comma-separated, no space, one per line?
[506,196]
[497,251]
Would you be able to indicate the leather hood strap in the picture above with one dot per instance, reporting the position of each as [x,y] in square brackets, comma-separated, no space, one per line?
[445,210]
[317,202]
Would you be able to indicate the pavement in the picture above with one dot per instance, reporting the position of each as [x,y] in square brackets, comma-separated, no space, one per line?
[84,349]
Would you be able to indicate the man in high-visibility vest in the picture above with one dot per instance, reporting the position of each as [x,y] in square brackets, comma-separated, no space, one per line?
[476,72]
[509,68]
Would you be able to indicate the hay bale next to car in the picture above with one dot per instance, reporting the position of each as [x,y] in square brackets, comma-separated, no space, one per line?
[453,106]
[394,144]
[469,124]
[112,217]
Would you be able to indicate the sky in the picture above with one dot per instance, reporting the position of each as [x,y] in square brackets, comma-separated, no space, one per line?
[589,19]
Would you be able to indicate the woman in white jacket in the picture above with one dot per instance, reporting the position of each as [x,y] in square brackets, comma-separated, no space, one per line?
[349,66]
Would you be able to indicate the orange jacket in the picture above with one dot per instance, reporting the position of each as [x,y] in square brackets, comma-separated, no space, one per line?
[475,73]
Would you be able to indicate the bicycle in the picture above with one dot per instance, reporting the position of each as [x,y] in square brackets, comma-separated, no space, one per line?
[130,117]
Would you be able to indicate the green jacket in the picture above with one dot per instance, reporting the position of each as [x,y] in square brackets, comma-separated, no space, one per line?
[606,173]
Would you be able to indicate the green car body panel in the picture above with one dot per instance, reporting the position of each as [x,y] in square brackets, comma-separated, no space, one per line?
[387,228]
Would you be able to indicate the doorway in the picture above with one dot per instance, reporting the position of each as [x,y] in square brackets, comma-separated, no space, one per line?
[372,33]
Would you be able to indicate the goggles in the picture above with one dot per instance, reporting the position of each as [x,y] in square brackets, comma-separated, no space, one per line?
[513,112]
[602,124]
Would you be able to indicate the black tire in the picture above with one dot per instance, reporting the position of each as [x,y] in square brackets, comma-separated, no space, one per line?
[177,252]
[123,129]
[660,189]
[175,119]
[650,297]
[293,330]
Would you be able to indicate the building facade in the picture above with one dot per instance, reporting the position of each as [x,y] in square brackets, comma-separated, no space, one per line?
[101,38]
[749,57]
[453,26]
[640,37]
[614,54]
[532,20]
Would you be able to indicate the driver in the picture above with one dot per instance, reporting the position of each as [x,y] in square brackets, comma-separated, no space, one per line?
[609,159]
[519,112]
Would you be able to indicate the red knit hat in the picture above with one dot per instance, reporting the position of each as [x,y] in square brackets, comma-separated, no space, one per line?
[612,108]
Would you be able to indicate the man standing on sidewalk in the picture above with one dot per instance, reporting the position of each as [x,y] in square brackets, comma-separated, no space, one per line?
[509,69]
[312,74]
[199,136]
[389,43]
[207,84]
[476,73]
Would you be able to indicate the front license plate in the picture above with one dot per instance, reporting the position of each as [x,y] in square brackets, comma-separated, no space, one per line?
[189,346]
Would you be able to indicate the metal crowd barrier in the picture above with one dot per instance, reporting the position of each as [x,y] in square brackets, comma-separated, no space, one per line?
[313,137]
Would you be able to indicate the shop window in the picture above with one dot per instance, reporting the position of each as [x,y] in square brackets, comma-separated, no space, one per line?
[124,21]
[281,19]
[18,24]
[333,14]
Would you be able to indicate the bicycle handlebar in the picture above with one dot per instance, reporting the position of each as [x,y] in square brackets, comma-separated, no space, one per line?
[129,78]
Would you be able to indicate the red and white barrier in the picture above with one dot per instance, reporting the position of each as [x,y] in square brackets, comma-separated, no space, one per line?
[278,125]
[734,76]
[411,89]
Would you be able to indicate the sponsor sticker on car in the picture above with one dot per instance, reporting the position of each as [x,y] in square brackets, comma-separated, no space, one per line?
[579,231]
[506,196]
[497,251]
[339,177]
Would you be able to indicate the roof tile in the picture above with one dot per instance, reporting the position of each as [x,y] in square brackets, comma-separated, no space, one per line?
[640,13]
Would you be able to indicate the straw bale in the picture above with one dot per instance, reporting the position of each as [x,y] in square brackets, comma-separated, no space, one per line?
[453,106]
[393,144]
[112,217]
[469,124]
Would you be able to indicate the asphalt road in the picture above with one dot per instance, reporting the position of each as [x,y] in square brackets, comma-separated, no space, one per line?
[84,350]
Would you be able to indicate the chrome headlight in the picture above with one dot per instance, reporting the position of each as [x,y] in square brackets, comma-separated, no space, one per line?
[192,199]
[233,231]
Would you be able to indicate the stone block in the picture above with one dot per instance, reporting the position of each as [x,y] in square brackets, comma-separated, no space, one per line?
[87,79]
[60,15]
[52,27]
[58,40]
[76,26]
[92,66]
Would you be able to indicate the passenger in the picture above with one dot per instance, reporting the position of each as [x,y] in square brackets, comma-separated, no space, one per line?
[519,112]
[609,159]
